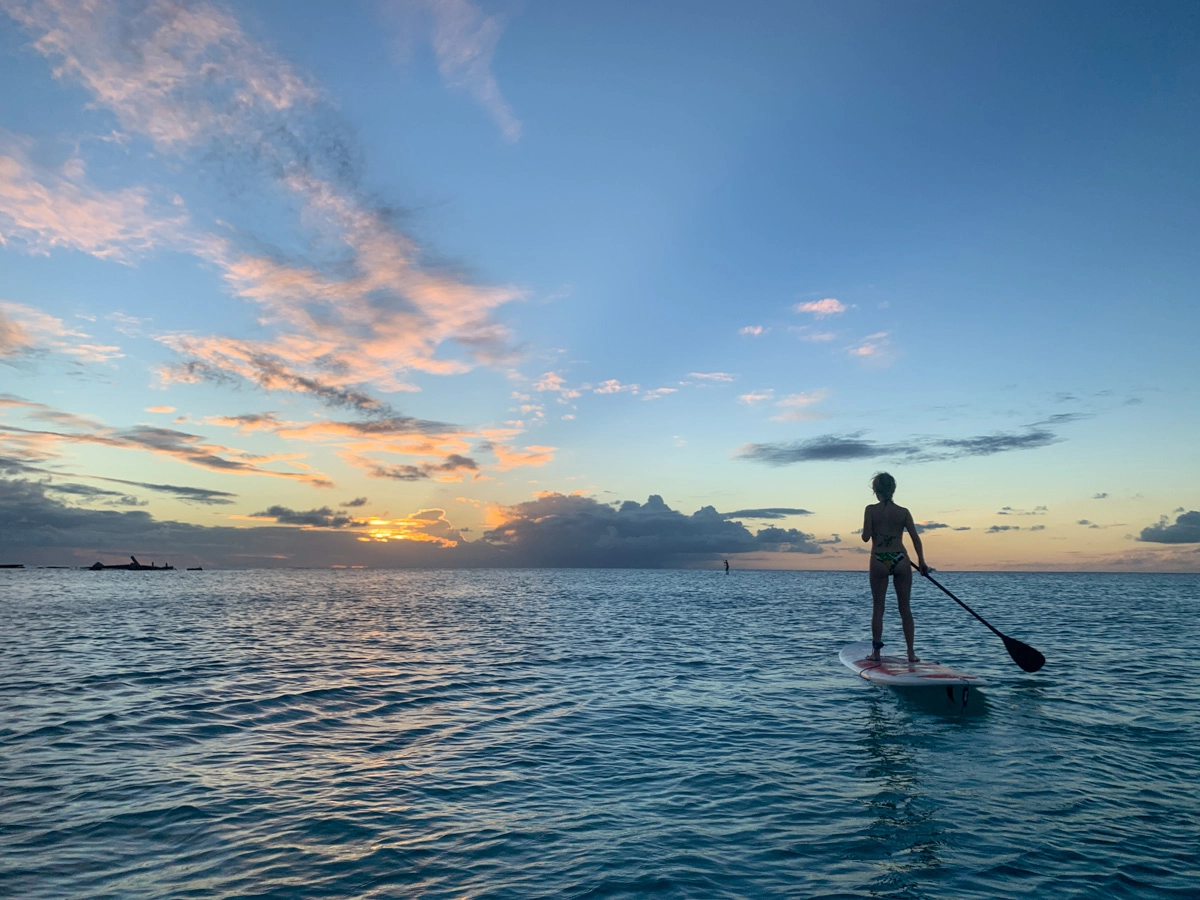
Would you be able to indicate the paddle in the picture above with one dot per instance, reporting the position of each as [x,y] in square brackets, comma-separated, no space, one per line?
[1023,655]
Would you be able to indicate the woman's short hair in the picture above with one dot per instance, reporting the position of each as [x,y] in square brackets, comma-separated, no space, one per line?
[884,486]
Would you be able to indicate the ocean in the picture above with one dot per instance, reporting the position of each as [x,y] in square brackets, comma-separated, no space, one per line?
[584,733]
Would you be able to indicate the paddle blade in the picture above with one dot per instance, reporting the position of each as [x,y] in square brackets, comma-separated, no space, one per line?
[1023,655]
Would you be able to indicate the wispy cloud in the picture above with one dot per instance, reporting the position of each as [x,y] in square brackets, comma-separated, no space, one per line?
[795,407]
[716,377]
[753,398]
[465,39]
[26,331]
[363,306]
[873,348]
[831,448]
[752,330]
[772,512]
[1010,511]
[42,443]
[312,518]
[43,210]
[613,386]
[806,333]
[821,308]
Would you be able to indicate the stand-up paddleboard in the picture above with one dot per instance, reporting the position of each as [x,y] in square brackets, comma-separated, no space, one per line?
[899,672]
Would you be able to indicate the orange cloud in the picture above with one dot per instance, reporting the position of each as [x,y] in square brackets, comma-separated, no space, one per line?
[198,80]
[428,525]
[45,210]
[508,457]
[179,445]
[24,329]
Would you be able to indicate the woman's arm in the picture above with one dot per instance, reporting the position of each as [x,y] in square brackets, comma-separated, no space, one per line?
[911,527]
[866,532]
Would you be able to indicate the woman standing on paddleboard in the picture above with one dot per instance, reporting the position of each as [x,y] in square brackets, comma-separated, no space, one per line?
[884,524]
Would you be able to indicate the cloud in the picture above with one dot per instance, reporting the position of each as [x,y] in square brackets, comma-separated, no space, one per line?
[752,330]
[872,348]
[755,397]
[464,39]
[612,386]
[43,210]
[1009,511]
[997,529]
[363,305]
[923,449]
[313,518]
[1185,530]
[428,526]
[179,445]
[1100,496]
[26,331]
[88,492]
[39,529]
[795,407]
[923,527]
[772,512]
[509,457]
[573,530]
[821,308]
[551,530]
[452,465]
[821,449]
[195,73]
[554,383]
[806,333]
[187,494]
[355,503]
[712,376]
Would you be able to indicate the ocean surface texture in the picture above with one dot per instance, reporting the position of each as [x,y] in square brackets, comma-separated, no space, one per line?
[516,734]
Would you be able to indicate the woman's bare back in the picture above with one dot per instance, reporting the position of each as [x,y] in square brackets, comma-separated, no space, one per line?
[884,525]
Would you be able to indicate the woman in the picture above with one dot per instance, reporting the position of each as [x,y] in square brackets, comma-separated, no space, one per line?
[884,524]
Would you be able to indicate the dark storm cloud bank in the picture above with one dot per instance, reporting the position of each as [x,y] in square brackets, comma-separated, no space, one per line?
[559,530]
[39,528]
[1185,530]
[835,448]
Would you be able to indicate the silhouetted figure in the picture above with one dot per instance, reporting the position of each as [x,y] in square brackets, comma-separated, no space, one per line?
[884,524]
[726,567]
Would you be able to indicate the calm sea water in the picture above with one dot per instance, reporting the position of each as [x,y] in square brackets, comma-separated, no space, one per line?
[514,734]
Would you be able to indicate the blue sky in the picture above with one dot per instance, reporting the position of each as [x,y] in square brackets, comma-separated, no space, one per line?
[507,269]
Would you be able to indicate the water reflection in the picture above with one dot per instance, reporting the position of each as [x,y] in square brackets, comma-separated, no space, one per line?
[904,828]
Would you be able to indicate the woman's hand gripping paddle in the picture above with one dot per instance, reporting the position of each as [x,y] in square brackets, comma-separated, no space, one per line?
[1023,655]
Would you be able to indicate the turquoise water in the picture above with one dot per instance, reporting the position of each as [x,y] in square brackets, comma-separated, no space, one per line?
[513,734]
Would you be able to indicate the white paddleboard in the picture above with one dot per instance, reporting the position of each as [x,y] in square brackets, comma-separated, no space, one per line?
[899,672]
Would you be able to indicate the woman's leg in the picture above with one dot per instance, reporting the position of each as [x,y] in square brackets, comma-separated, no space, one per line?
[903,579]
[879,586]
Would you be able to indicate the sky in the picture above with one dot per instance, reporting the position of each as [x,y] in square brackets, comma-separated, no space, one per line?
[529,283]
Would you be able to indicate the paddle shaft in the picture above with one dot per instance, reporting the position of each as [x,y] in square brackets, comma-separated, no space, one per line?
[1022,654]
[963,605]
